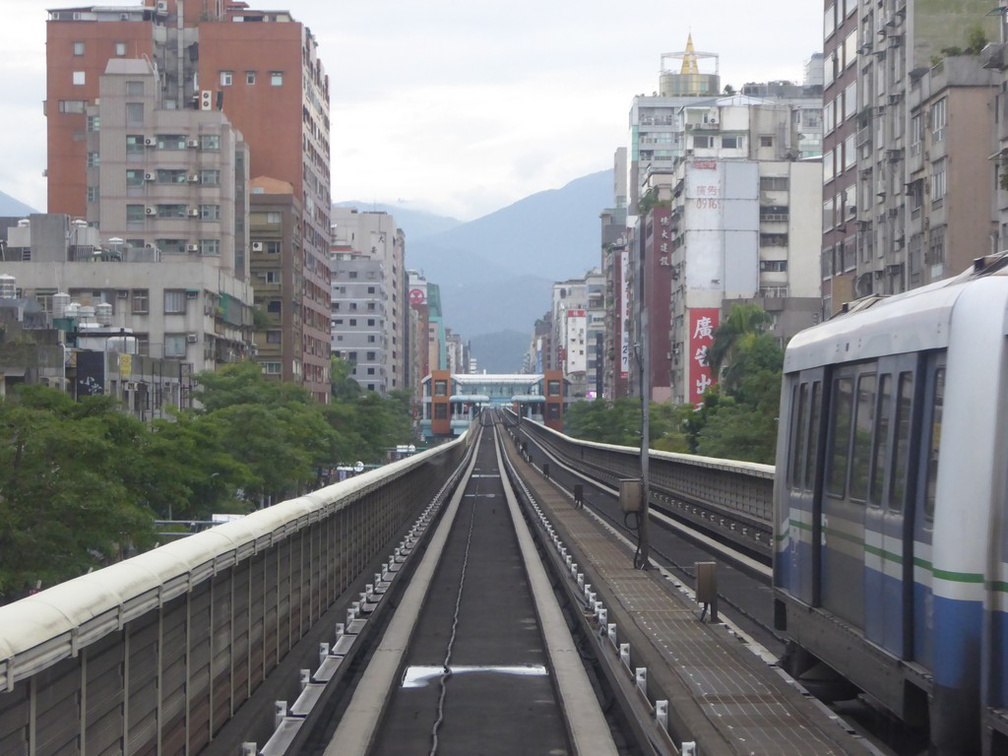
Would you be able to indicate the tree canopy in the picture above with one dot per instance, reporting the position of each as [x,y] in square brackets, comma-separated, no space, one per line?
[738,417]
[83,482]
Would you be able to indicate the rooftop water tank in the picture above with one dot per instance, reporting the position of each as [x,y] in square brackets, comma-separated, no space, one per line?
[103,313]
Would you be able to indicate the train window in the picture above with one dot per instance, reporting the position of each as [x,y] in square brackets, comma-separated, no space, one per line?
[799,401]
[861,450]
[840,425]
[815,417]
[881,453]
[904,405]
[934,444]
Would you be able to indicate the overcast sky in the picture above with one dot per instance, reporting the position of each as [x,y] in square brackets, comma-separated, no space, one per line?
[461,107]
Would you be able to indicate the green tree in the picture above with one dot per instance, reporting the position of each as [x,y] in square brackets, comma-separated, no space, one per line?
[67,503]
[275,429]
[735,332]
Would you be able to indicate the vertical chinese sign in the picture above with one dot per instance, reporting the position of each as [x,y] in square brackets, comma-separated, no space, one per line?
[702,324]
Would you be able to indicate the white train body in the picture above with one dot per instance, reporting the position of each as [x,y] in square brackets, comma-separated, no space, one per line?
[891,551]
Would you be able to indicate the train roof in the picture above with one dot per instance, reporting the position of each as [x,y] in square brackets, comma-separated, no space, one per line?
[868,328]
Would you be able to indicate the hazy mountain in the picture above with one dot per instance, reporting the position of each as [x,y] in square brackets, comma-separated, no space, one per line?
[416,224]
[552,234]
[12,208]
[501,352]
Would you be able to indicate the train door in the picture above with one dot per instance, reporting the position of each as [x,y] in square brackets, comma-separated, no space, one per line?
[851,417]
[921,632]
[889,515]
[795,566]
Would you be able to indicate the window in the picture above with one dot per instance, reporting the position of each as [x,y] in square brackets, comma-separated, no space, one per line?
[140,301]
[934,443]
[209,212]
[93,123]
[273,248]
[93,160]
[209,177]
[371,356]
[276,78]
[440,411]
[135,212]
[440,388]
[78,78]
[171,211]
[273,337]
[78,48]
[371,322]
[273,217]
[916,133]
[92,194]
[766,141]
[731,142]
[210,142]
[134,89]
[271,368]
[861,449]
[134,177]
[71,106]
[938,120]
[174,301]
[120,49]
[370,289]
[274,306]
[209,246]
[171,141]
[353,321]
[272,276]
[840,422]
[773,266]
[773,183]
[938,181]
[175,345]
[554,388]
[250,77]
[134,143]
[226,78]
[134,114]
[703,142]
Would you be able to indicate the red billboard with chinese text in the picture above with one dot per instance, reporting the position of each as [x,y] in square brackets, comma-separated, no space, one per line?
[702,324]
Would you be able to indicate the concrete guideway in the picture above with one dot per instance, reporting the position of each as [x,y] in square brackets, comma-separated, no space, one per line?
[470,691]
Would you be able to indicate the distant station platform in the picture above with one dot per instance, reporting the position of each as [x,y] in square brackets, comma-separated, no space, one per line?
[450,401]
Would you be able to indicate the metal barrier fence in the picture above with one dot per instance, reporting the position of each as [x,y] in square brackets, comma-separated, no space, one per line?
[739,489]
[157,653]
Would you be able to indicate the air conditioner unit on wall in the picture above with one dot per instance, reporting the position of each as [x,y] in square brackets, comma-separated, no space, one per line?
[194,212]
[257,246]
[192,143]
[192,248]
[150,210]
[192,338]
[206,99]
[150,141]
[150,176]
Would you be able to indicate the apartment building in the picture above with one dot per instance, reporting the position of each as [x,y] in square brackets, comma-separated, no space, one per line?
[261,71]
[370,253]
[906,196]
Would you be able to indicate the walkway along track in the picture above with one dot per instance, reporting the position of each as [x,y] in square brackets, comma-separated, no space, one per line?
[479,656]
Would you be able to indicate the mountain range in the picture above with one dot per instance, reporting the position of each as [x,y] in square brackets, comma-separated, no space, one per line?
[496,273]
[12,208]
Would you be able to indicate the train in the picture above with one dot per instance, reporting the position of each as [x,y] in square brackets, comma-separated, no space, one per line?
[890,564]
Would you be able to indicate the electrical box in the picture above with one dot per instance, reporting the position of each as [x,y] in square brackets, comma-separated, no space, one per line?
[630,494]
[706,582]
